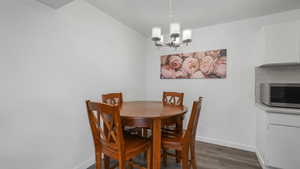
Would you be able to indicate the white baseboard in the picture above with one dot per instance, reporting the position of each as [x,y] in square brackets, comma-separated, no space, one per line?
[86,164]
[226,143]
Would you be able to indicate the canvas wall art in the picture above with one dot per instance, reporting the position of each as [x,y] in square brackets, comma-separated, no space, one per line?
[210,64]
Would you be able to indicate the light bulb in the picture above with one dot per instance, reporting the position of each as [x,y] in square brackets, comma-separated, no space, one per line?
[187,36]
[174,30]
[156,33]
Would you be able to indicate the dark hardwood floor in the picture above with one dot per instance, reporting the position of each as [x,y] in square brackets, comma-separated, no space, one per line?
[210,156]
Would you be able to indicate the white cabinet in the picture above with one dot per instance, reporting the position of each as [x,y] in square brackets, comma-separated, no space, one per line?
[283,141]
[283,147]
[282,43]
[278,139]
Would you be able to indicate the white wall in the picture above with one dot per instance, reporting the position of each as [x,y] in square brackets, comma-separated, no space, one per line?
[50,62]
[228,115]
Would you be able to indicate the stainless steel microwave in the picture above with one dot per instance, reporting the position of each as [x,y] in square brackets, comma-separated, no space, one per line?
[285,95]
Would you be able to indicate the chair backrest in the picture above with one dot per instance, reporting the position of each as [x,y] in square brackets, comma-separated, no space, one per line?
[113,98]
[106,125]
[173,98]
[190,133]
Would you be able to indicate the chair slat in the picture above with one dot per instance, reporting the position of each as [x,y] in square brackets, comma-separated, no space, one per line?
[113,98]
[173,98]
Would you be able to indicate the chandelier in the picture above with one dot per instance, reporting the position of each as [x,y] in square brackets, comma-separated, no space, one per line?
[175,39]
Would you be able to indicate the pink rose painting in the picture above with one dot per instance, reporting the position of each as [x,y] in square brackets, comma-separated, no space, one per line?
[197,65]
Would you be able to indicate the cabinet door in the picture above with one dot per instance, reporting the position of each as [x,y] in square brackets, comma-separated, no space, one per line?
[282,43]
[283,147]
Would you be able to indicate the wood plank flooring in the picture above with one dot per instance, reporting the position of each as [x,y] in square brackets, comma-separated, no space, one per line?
[210,156]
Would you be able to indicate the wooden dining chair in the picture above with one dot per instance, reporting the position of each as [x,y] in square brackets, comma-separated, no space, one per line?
[184,142]
[170,99]
[109,140]
[173,124]
[173,98]
[113,98]
[117,99]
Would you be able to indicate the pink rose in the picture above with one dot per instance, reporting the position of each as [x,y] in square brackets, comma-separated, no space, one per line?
[220,68]
[207,64]
[181,74]
[198,75]
[168,72]
[190,65]
[164,59]
[175,62]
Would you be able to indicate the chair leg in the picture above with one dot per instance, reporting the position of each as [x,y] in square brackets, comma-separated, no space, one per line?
[98,159]
[122,164]
[144,133]
[140,131]
[130,165]
[149,158]
[165,157]
[178,156]
[106,162]
[179,128]
[185,158]
[193,156]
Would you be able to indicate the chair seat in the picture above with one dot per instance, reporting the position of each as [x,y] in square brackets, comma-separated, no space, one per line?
[172,140]
[134,145]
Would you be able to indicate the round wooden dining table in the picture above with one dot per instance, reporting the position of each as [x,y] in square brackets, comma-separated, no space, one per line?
[150,114]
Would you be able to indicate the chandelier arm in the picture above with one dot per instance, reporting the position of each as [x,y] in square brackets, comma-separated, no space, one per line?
[171,45]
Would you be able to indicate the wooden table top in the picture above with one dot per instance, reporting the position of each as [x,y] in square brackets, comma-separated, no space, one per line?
[149,109]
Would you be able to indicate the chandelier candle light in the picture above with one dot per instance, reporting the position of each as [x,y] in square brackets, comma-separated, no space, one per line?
[174,39]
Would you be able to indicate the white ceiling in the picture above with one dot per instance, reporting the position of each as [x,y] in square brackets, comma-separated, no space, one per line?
[142,15]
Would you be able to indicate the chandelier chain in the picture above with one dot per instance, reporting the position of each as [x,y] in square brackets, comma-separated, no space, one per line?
[171,15]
